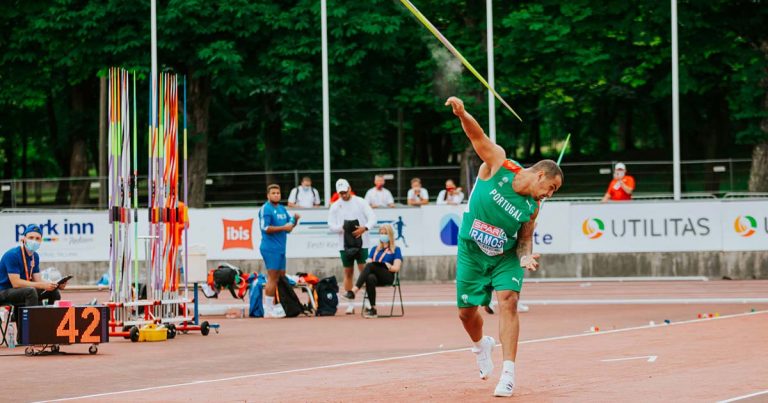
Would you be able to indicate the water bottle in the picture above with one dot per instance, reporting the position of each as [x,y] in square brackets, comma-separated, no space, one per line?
[10,335]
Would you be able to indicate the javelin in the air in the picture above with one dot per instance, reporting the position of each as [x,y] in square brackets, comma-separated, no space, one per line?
[455,52]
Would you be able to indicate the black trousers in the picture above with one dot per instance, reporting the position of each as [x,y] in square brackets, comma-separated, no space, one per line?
[374,274]
[27,296]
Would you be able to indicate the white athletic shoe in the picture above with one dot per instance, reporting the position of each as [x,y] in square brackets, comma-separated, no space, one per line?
[275,312]
[350,309]
[522,307]
[483,355]
[367,304]
[506,385]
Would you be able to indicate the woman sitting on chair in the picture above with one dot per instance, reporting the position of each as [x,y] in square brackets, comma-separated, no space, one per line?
[383,262]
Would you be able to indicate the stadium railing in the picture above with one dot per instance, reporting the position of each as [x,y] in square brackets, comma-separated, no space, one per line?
[585,181]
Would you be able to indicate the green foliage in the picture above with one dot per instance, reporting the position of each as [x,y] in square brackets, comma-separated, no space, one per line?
[600,70]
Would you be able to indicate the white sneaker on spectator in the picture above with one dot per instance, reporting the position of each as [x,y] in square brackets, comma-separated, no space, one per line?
[350,309]
[274,312]
[483,355]
[521,307]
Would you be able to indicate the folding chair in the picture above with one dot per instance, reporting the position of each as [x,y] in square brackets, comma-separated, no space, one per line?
[4,324]
[396,291]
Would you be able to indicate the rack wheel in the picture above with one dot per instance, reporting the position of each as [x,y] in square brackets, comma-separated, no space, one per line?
[93,349]
[125,329]
[29,351]
[171,330]
[55,348]
[205,328]
[134,334]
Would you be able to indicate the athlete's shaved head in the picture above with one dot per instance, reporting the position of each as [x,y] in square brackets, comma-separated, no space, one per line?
[547,179]
[549,167]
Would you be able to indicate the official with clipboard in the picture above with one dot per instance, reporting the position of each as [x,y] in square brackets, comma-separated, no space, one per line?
[20,281]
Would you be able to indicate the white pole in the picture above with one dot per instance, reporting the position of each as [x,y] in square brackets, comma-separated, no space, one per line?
[489,40]
[153,25]
[675,108]
[326,120]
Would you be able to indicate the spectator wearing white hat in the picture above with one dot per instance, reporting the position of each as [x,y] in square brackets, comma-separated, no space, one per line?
[352,218]
[622,185]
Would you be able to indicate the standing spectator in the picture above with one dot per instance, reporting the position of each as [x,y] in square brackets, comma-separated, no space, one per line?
[275,224]
[417,195]
[351,217]
[622,185]
[304,196]
[383,262]
[20,281]
[378,195]
[451,194]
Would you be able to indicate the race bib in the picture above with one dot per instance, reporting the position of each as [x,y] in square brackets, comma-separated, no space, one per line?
[489,238]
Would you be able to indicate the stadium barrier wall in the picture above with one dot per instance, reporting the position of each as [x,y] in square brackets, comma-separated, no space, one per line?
[710,238]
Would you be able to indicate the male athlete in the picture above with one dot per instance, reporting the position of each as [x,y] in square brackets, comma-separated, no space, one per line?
[495,243]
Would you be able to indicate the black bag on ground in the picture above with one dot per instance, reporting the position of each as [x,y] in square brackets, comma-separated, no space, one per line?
[326,294]
[288,298]
[227,276]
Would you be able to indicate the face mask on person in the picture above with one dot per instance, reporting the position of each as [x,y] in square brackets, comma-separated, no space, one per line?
[384,238]
[32,245]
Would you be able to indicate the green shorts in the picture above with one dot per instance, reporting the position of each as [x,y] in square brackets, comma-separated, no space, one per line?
[349,262]
[478,275]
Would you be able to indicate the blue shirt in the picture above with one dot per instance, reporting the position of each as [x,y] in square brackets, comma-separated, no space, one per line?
[272,215]
[385,255]
[11,263]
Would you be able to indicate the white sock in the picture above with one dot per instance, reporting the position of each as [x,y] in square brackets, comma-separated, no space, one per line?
[269,301]
[509,366]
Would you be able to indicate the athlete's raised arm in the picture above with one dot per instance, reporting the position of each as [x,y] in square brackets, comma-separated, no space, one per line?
[492,154]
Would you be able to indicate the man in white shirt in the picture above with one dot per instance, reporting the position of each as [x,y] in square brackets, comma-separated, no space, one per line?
[451,194]
[417,195]
[304,196]
[378,196]
[349,209]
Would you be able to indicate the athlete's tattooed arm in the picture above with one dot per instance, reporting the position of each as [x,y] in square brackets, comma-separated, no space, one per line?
[528,260]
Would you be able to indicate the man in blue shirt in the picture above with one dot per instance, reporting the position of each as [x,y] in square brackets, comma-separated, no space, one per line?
[20,280]
[275,224]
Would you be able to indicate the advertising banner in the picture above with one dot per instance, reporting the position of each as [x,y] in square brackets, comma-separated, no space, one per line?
[233,233]
[76,236]
[441,229]
[745,225]
[646,227]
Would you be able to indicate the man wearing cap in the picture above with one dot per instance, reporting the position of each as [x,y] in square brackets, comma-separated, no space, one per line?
[20,280]
[622,185]
[352,218]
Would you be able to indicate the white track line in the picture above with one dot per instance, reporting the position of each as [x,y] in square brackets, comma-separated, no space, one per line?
[733,399]
[402,357]
[221,308]
[613,279]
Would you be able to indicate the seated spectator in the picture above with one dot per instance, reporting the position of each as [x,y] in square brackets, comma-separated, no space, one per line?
[20,281]
[451,194]
[304,196]
[417,195]
[335,196]
[622,185]
[383,262]
[378,195]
